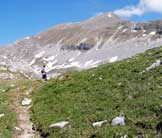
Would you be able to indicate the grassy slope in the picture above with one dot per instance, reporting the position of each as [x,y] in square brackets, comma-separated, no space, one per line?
[82,98]
[9,120]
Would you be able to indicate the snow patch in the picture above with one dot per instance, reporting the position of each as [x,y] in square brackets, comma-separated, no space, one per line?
[124,30]
[144,35]
[50,58]
[113,59]
[5,57]
[39,55]
[152,33]
[71,59]
[134,31]
[75,64]
[88,63]
[32,62]
[49,65]
[120,27]
[99,42]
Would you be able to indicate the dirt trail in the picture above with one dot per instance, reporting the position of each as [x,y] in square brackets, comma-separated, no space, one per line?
[23,117]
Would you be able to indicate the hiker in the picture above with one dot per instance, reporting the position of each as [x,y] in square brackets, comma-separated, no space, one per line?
[44,74]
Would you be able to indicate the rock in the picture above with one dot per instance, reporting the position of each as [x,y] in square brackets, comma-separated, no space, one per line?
[3,68]
[154,65]
[140,135]
[141,73]
[100,78]
[3,90]
[28,92]
[26,101]
[7,76]
[130,97]
[59,124]
[17,129]
[12,85]
[119,84]
[125,136]
[160,97]
[99,124]
[2,115]
[120,135]
[120,120]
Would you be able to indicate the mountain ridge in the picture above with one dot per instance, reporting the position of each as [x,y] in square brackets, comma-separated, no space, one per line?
[101,39]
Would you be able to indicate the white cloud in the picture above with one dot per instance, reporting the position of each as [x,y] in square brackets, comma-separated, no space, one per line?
[129,11]
[142,7]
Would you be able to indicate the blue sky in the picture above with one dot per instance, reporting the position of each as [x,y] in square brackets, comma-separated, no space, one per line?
[20,18]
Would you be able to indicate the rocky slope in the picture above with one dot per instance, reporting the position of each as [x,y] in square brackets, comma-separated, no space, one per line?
[101,39]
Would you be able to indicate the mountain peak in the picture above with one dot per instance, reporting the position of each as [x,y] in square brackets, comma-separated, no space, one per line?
[108,14]
[102,20]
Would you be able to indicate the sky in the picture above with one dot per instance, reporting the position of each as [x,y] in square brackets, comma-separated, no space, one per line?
[21,18]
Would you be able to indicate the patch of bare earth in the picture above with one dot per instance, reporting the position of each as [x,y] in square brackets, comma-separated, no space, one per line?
[24,124]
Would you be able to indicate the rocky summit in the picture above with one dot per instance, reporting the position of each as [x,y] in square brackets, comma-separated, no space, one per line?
[82,45]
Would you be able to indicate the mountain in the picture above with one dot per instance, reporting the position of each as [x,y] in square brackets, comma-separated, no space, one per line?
[101,39]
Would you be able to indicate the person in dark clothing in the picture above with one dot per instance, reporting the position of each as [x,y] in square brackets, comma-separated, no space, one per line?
[44,74]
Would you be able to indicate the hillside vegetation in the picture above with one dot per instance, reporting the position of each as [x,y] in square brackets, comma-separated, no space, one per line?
[103,93]
[7,116]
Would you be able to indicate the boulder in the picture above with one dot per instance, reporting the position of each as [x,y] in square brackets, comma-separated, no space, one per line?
[17,129]
[154,65]
[2,115]
[26,101]
[2,90]
[12,85]
[119,120]
[59,124]
[113,59]
[100,78]
[99,124]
